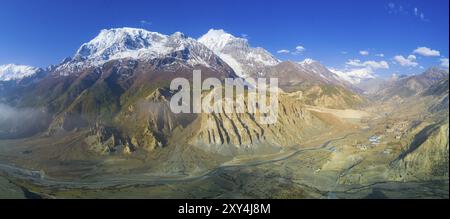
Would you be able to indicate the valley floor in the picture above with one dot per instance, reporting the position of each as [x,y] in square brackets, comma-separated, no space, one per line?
[342,164]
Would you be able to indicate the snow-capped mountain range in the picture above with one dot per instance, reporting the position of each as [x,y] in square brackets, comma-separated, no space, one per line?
[236,52]
[144,45]
[14,72]
[138,44]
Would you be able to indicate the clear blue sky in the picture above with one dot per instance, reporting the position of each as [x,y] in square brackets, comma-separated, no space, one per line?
[43,32]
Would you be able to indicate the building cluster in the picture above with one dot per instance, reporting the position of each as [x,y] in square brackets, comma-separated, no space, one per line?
[397,129]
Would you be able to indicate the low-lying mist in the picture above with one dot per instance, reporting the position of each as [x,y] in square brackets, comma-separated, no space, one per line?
[21,122]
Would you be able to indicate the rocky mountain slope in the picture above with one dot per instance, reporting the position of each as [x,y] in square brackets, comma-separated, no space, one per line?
[315,83]
[426,152]
[235,133]
[412,85]
[427,155]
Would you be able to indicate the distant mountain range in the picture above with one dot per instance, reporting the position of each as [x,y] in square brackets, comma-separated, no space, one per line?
[143,45]
[410,85]
[12,72]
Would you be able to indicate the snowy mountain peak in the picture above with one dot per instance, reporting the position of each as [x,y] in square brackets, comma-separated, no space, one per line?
[179,35]
[15,72]
[120,42]
[217,40]
[307,61]
[236,52]
[138,44]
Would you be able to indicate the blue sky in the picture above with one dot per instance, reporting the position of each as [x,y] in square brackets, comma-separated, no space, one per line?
[346,35]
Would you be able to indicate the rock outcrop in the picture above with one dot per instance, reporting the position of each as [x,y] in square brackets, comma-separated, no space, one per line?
[426,157]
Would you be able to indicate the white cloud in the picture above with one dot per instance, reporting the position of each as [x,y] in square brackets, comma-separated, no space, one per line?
[368,64]
[364,52]
[419,14]
[145,22]
[406,10]
[406,62]
[344,52]
[283,51]
[425,51]
[354,76]
[444,63]
[391,7]
[356,71]
[299,49]
[380,55]
[354,62]
[377,65]
[422,16]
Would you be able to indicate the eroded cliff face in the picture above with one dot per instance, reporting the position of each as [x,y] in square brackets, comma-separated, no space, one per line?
[234,133]
[150,124]
[143,126]
[426,157]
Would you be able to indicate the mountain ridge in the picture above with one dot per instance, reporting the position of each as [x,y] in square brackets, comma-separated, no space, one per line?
[237,52]
[138,44]
[11,72]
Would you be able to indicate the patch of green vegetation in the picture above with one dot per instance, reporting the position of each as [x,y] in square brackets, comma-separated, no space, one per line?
[330,90]
[97,102]
[135,93]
